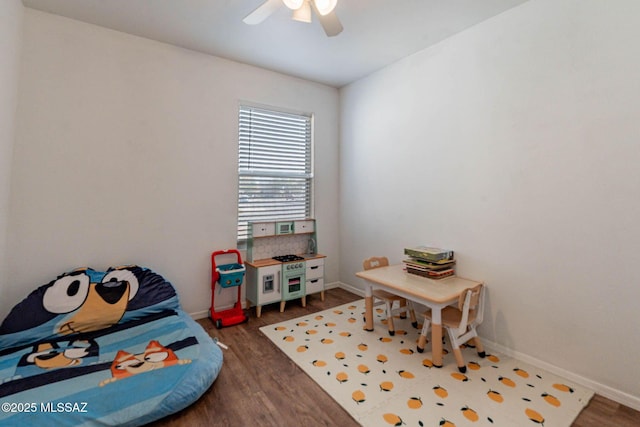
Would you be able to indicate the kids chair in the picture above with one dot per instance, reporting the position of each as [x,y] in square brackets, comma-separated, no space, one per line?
[461,322]
[383,297]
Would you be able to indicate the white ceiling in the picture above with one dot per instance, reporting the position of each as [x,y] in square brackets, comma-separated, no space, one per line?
[376,32]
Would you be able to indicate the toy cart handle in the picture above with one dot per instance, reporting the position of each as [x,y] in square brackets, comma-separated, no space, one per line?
[215,275]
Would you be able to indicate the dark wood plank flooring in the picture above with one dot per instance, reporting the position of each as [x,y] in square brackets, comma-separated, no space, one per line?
[259,386]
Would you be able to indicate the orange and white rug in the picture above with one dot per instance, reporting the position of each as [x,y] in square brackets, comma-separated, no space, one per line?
[382,380]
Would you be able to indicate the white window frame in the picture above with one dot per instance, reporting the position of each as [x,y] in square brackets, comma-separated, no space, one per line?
[274,145]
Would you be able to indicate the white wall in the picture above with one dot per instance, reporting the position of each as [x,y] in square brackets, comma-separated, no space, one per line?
[126,152]
[516,144]
[11,16]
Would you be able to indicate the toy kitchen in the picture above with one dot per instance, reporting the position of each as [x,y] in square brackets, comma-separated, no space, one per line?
[282,263]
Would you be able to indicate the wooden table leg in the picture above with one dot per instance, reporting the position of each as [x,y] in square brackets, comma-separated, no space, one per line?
[436,344]
[368,313]
[436,336]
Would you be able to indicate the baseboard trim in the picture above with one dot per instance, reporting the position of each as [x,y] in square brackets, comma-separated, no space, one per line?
[602,389]
[199,314]
[350,288]
[331,285]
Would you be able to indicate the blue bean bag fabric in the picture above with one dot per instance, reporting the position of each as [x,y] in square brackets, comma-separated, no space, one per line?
[102,348]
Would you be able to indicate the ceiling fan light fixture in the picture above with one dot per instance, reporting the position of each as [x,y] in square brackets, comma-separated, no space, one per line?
[293,4]
[325,7]
[303,14]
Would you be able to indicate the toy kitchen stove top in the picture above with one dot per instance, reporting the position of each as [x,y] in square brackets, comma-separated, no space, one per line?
[288,258]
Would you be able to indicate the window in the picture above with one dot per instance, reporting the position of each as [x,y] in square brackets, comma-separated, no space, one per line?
[274,167]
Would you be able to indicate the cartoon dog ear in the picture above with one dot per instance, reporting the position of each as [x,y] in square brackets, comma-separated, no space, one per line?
[123,275]
[122,360]
[67,293]
[43,349]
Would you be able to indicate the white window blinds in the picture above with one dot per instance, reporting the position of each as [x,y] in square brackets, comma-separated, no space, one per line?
[274,167]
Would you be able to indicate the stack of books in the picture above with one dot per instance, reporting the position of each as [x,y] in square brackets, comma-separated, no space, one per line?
[434,263]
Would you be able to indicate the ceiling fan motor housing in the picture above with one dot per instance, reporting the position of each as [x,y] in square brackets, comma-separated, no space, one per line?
[324,7]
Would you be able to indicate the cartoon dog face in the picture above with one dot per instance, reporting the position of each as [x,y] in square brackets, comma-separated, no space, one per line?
[80,303]
[60,354]
[155,356]
[48,357]
[90,305]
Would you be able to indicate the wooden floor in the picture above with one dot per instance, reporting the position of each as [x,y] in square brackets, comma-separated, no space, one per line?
[260,386]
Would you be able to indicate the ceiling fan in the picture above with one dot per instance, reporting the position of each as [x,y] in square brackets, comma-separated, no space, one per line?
[324,9]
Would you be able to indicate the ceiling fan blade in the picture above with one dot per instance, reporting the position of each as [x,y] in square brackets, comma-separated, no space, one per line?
[303,13]
[330,23]
[262,12]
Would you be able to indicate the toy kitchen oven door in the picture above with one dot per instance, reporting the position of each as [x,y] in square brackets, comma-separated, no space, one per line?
[293,279]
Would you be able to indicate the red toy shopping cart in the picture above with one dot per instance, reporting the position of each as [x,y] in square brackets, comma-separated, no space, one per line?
[227,276]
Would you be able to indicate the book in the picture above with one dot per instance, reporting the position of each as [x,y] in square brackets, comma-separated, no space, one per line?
[426,265]
[440,274]
[428,253]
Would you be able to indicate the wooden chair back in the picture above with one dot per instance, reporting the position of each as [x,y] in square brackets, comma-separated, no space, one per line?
[471,306]
[375,262]
[474,299]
